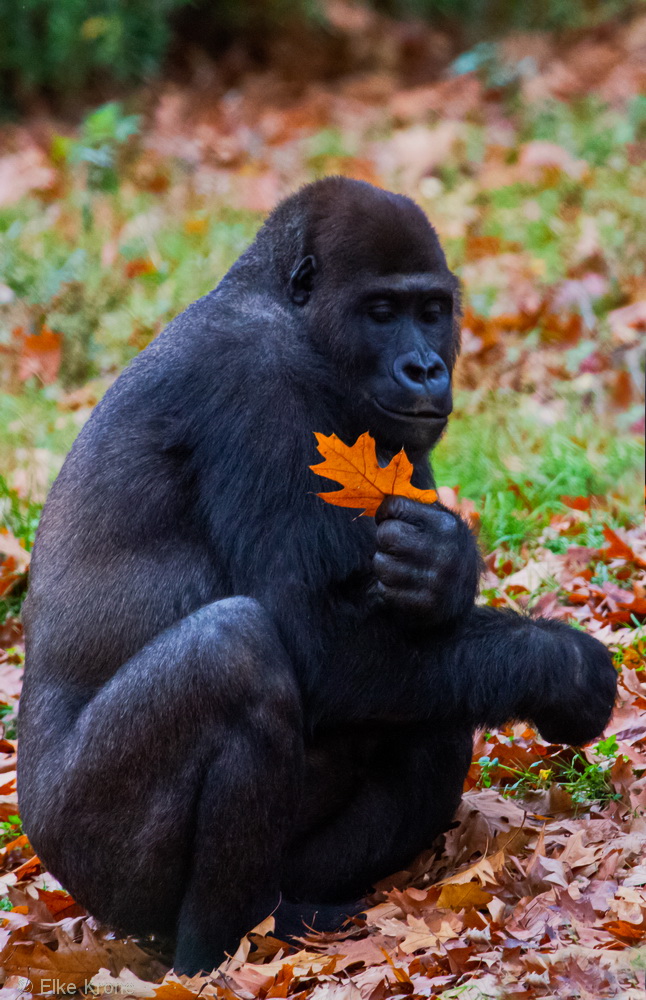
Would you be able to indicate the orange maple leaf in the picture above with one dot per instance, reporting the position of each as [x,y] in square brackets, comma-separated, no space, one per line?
[40,354]
[365,482]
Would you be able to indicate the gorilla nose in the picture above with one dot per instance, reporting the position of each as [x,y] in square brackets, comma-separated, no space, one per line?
[424,376]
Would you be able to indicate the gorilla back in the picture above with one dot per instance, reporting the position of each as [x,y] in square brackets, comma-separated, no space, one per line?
[237,696]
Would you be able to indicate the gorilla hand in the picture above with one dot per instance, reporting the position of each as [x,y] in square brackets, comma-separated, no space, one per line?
[579,686]
[427,563]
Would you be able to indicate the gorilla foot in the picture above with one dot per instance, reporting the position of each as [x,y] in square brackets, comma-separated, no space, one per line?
[194,953]
[293,920]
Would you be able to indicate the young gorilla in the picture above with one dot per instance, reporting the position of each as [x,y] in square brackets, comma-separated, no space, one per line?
[235,693]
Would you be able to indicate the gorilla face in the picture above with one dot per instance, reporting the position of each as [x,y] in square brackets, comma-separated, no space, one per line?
[377,299]
[393,341]
[403,331]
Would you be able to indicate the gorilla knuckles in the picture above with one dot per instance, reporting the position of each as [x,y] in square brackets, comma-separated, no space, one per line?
[426,565]
[592,688]
[239,693]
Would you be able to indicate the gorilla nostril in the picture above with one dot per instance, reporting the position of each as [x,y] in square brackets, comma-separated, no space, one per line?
[416,373]
[421,372]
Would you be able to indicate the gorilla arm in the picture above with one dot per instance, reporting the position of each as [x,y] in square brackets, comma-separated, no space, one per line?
[489,667]
[499,666]
[407,643]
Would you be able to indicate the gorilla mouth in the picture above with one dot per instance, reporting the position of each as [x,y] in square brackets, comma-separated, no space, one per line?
[413,414]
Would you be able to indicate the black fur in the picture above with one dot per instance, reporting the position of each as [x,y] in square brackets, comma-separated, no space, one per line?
[236,693]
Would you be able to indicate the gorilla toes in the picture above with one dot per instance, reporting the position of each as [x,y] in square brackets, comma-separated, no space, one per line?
[293,920]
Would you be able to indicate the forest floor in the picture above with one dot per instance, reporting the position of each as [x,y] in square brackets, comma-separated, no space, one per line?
[529,158]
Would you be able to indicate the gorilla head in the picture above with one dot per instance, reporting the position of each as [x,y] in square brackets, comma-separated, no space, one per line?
[367,274]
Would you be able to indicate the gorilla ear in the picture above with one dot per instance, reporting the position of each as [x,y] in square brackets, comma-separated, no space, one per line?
[301,281]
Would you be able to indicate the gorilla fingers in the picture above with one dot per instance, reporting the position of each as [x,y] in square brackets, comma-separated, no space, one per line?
[427,563]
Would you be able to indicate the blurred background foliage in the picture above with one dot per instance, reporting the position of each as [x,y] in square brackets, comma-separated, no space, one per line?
[62,48]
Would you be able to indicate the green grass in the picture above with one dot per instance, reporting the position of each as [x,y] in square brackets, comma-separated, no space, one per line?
[104,314]
[10,829]
[584,781]
[34,433]
[501,443]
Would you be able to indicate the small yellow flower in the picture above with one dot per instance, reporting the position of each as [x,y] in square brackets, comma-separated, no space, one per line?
[546,774]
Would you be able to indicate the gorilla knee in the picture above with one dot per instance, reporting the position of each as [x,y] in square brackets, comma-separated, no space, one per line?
[244,649]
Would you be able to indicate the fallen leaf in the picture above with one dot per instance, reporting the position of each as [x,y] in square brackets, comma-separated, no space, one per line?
[195,226]
[626,322]
[540,155]
[172,990]
[463,897]
[23,172]
[484,871]
[40,355]
[636,876]
[59,903]
[12,547]
[75,962]
[625,931]
[139,266]
[576,503]
[618,549]
[365,482]
[28,866]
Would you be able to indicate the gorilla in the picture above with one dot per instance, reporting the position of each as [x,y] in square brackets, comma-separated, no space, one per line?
[239,699]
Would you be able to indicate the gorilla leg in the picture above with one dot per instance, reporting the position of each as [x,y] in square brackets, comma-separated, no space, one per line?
[167,805]
[409,794]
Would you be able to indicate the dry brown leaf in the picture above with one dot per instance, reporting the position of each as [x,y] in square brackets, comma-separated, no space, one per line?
[126,984]
[22,173]
[365,482]
[173,990]
[617,548]
[484,871]
[625,931]
[419,936]
[12,547]
[72,962]
[542,155]
[463,897]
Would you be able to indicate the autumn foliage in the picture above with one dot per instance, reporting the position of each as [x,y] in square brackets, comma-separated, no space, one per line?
[365,482]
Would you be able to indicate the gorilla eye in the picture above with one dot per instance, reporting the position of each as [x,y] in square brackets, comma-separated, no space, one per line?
[434,309]
[381,312]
